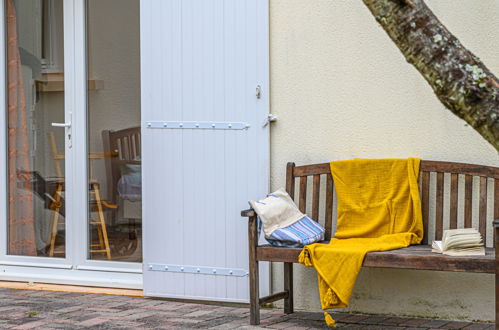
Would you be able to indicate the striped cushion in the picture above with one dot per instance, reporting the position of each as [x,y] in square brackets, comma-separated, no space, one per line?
[303,232]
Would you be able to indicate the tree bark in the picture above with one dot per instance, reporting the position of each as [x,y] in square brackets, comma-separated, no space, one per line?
[458,77]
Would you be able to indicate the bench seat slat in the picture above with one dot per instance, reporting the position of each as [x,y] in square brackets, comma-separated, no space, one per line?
[482,210]
[425,198]
[454,190]
[303,194]
[413,257]
[496,212]
[439,207]
[468,200]
[315,197]
[496,198]
[329,206]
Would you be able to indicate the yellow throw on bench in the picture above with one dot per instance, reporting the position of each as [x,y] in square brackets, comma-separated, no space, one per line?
[379,209]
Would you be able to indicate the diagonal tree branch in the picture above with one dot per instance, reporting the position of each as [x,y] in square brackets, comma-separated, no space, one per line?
[458,78]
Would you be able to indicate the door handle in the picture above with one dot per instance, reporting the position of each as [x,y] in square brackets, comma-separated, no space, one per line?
[61,124]
[67,127]
[66,124]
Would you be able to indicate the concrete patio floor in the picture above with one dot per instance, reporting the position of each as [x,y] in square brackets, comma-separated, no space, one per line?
[27,309]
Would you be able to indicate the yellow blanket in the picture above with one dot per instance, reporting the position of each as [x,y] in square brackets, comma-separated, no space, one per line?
[379,209]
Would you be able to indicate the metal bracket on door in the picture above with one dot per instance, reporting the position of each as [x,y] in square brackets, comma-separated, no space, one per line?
[258,92]
[270,118]
[197,125]
[198,270]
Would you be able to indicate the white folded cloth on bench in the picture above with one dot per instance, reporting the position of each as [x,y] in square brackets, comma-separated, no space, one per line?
[276,211]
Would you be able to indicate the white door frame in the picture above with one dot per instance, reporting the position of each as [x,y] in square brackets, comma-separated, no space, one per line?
[75,268]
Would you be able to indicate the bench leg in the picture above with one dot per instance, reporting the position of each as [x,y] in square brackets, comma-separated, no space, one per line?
[288,287]
[496,241]
[253,273]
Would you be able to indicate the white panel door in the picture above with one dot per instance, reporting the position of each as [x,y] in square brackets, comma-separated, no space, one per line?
[202,63]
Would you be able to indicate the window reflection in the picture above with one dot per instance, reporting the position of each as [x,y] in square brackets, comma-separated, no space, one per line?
[36,180]
[114,158]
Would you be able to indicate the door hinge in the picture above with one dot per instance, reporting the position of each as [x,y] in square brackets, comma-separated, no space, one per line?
[197,125]
[198,270]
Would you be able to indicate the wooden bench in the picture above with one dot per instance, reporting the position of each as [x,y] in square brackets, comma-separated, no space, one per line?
[444,182]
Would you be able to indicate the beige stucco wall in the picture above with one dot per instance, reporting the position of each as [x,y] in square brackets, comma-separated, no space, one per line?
[341,89]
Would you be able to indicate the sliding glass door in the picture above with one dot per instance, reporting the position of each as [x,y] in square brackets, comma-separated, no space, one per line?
[71,158]
[37,126]
[114,163]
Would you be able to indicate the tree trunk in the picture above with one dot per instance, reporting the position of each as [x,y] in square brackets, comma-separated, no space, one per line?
[458,78]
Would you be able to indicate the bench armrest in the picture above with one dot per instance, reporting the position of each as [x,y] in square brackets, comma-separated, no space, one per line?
[250,213]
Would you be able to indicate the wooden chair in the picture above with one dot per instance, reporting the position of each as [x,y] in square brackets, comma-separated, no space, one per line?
[126,143]
[97,205]
[413,257]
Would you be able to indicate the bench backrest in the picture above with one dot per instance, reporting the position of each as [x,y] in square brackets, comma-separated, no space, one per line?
[465,195]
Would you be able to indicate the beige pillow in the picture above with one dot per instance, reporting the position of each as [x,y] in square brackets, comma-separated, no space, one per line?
[277,210]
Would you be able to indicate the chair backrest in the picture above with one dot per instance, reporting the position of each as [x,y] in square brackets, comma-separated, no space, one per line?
[453,191]
[127,144]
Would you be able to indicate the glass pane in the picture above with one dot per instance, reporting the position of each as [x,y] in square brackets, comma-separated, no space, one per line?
[36,182]
[115,190]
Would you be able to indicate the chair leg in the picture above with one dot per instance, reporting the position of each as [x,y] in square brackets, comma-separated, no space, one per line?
[253,273]
[288,287]
[101,237]
[55,219]
[132,235]
[101,220]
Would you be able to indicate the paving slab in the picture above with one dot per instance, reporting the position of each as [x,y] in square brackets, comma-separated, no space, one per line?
[27,309]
